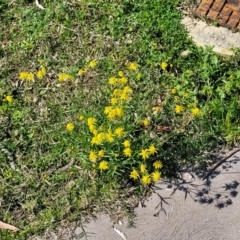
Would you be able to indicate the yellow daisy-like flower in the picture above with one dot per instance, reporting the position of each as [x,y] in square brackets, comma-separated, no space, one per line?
[101,153]
[126,143]
[64,77]
[196,111]
[82,71]
[92,156]
[143,168]
[23,75]
[164,66]
[41,73]
[92,128]
[91,121]
[157,164]
[112,80]
[92,64]
[124,96]
[122,80]
[133,66]
[145,122]
[109,137]
[117,92]
[179,108]
[9,98]
[119,131]
[156,176]
[70,126]
[152,150]
[127,89]
[103,165]
[108,109]
[146,179]
[173,91]
[144,154]
[119,112]
[30,77]
[127,152]
[95,140]
[134,174]
[101,137]
[120,74]
[114,101]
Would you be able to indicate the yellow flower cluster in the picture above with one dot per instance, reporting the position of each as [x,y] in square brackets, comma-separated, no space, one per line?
[70,126]
[143,174]
[28,76]
[146,153]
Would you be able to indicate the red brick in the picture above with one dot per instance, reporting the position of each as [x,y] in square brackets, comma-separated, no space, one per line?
[233,20]
[224,15]
[212,14]
[218,5]
[203,7]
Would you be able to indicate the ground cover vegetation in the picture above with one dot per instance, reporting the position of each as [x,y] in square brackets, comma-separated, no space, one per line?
[97,103]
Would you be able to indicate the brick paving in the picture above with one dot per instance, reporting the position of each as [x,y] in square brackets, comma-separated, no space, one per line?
[225,12]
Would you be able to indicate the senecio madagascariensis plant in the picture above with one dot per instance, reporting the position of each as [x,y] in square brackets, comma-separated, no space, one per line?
[111,146]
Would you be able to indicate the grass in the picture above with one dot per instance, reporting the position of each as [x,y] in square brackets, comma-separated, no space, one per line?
[183,106]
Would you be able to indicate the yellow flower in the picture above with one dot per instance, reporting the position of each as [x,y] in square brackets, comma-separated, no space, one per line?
[143,168]
[152,150]
[119,112]
[134,174]
[122,80]
[112,80]
[114,101]
[157,109]
[173,91]
[178,108]
[100,137]
[64,77]
[156,176]
[101,153]
[157,164]
[30,77]
[127,152]
[92,64]
[109,137]
[117,92]
[196,111]
[95,140]
[82,71]
[120,74]
[81,118]
[133,66]
[164,66]
[126,143]
[119,131]
[92,156]
[92,128]
[127,89]
[70,126]
[41,73]
[145,122]
[108,109]
[146,179]
[9,98]
[91,121]
[124,96]
[103,165]
[23,75]
[144,153]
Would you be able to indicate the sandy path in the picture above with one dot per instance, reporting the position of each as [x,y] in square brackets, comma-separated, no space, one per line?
[212,213]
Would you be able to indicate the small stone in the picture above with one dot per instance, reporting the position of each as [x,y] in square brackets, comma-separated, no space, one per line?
[185,53]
